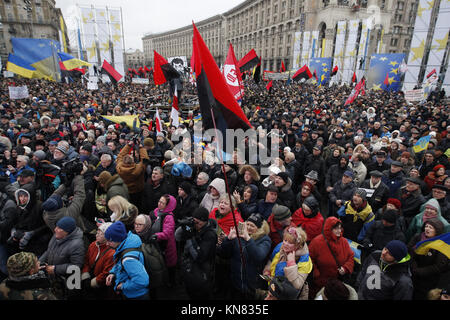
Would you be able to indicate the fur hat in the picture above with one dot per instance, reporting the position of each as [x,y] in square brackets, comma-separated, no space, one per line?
[397,203]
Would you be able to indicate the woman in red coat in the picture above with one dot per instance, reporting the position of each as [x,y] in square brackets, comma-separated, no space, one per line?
[223,215]
[309,218]
[325,265]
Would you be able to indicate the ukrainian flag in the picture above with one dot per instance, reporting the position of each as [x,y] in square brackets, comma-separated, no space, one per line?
[129,119]
[304,263]
[356,252]
[422,144]
[41,54]
[440,243]
[71,62]
[20,67]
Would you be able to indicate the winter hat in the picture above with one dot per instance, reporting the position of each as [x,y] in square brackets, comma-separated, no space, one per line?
[312,203]
[186,186]
[53,203]
[102,139]
[20,264]
[397,249]
[313,175]
[104,226]
[63,149]
[26,173]
[336,290]
[284,176]
[280,212]
[39,154]
[116,232]
[348,173]
[395,202]
[256,219]
[282,289]
[104,177]
[361,192]
[390,216]
[201,214]
[68,224]
[439,166]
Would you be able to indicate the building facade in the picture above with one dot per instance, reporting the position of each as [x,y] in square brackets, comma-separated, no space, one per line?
[134,59]
[38,19]
[269,26]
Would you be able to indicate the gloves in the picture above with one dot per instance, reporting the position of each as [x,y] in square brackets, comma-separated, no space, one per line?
[154,238]
[25,239]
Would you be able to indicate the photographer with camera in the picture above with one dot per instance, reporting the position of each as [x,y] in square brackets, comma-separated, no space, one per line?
[198,259]
[54,208]
[130,165]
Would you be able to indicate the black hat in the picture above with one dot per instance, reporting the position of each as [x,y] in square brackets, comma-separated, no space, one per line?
[256,219]
[413,180]
[201,214]
[284,176]
[381,153]
[390,216]
[397,164]
[186,186]
[26,173]
[282,289]
[440,186]
[376,173]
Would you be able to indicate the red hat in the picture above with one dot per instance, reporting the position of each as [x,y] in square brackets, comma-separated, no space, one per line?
[395,202]
[436,168]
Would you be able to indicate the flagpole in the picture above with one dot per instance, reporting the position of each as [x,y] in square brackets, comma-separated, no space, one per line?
[228,190]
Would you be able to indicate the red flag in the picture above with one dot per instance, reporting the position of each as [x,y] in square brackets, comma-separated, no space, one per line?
[248,61]
[150,125]
[355,92]
[174,115]
[213,91]
[386,80]
[111,72]
[354,77]
[232,74]
[302,73]
[283,69]
[158,123]
[269,85]
[163,71]
[335,70]
[431,73]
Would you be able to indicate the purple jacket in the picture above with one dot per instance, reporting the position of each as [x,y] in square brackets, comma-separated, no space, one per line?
[168,232]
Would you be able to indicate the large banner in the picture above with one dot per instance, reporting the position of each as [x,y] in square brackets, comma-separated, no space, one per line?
[314,44]
[339,49]
[382,66]
[270,75]
[362,49]
[440,37]
[297,50]
[322,67]
[101,17]
[115,22]
[418,41]
[18,92]
[180,64]
[305,47]
[350,51]
[88,27]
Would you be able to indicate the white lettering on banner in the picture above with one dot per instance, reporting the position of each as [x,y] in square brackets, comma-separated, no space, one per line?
[18,92]
[414,95]
[92,86]
[140,81]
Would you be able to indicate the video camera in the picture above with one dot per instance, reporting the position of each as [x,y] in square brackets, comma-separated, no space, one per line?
[187,225]
[70,169]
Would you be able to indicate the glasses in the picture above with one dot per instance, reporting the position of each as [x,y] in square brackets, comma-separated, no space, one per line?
[139,224]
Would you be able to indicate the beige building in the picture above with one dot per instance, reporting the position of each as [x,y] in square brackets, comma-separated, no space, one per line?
[41,20]
[134,59]
[269,27]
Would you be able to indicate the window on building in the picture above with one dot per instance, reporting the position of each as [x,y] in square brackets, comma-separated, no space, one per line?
[394,42]
[400,5]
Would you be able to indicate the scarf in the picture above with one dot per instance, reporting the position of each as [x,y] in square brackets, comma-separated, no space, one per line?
[147,226]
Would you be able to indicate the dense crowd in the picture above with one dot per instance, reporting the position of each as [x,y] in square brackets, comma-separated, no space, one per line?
[143,220]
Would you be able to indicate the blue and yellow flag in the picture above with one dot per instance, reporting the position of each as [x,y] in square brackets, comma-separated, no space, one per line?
[440,243]
[382,64]
[20,67]
[356,252]
[71,62]
[323,67]
[422,144]
[41,54]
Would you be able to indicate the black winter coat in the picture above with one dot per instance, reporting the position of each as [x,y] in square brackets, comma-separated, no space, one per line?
[379,197]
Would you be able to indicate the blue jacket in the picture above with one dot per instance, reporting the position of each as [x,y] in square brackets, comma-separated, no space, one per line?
[13,177]
[132,273]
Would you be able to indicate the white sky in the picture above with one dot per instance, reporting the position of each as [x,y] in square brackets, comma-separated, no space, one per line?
[144,16]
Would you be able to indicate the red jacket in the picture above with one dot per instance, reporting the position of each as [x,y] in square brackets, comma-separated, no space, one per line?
[325,266]
[104,264]
[312,226]
[227,222]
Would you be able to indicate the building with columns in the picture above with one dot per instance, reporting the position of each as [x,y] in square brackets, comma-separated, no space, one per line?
[270,27]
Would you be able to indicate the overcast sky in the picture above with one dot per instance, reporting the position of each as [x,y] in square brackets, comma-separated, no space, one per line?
[144,16]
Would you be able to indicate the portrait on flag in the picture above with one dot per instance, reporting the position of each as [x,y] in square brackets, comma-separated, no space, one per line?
[180,64]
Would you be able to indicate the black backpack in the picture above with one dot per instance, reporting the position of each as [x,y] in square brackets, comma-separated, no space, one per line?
[153,262]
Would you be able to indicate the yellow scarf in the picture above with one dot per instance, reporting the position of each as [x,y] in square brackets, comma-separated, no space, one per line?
[361,215]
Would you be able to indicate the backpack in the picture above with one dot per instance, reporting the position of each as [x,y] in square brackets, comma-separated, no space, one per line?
[153,262]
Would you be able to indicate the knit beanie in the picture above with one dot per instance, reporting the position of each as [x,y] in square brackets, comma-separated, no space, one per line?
[201,214]
[284,176]
[53,203]
[361,192]
[21,263]
[68,224]
[395,202]
[256,219]
[63,149]
[104,177]
[390,216]
[336,290]
[186,186]
[397,249]
[116,232]
[39,154]
[281,212]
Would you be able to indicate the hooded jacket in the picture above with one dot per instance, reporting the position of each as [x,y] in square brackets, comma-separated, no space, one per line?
[116,187]
[166,233]
[130,271]
[255,252]
[132,174]
[8,216]
[209,202]
[248,208]
[325,266]
[394,282]
[312,224]
[417,222]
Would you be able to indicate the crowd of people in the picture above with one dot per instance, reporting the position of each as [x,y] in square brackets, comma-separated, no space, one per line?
[142,219]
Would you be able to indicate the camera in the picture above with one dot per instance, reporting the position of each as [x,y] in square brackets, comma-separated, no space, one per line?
[187,225]
[71,168]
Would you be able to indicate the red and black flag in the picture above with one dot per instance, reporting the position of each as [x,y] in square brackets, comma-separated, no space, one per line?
[283,68]
[163,70]
[141,72]
[431,73]
[269,85]
[354,79]
[257,72]
[213,91]
[302,73]
[335,70]
[146,69]
[249,61]
[111,72]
